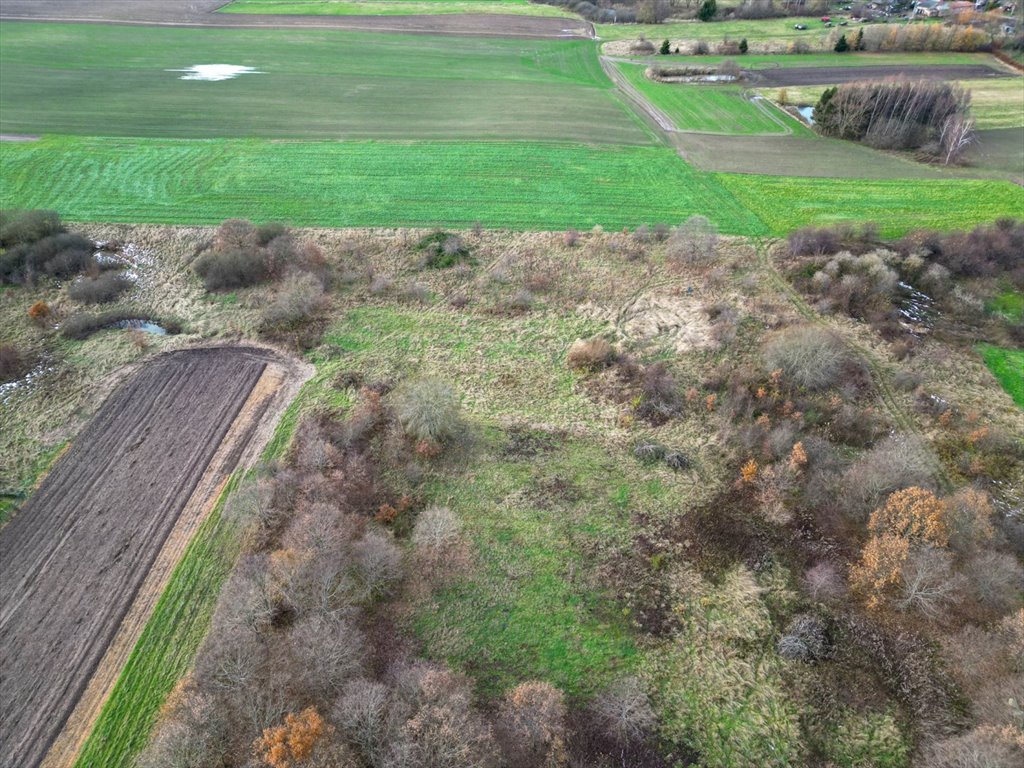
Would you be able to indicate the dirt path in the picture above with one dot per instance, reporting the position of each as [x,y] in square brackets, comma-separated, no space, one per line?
[85,560]
[202,13]
[879,372]
[18,137]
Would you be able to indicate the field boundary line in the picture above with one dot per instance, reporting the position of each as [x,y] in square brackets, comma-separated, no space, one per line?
[240,449]
[350,24]
[879,374]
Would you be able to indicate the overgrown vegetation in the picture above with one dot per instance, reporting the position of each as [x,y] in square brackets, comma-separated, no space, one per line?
[931,116]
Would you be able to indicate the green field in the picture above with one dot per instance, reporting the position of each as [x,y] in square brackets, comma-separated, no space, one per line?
[1007,365]
[522,185]
[314,84]
[897,206]
[709,108]
[761,30]
[394,7]
[1009,304]
[510,185]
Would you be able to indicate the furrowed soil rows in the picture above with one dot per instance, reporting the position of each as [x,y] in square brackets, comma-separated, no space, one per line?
[73,560]
[784,76]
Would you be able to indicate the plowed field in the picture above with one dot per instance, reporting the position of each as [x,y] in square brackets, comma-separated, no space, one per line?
[73,560]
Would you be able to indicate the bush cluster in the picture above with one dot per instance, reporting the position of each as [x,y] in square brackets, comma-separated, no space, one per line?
[102,289]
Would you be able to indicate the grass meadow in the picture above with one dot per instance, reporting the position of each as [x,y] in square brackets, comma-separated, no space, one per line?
[896,206]
[516,185]
[709,108]
[394,7]
[1007,365]
[312,85]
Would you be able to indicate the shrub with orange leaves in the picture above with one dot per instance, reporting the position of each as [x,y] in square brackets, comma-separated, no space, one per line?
[748,472]
[912,513]
[797,457]
[39,312]
[290,744]
[880,568]
[710,401]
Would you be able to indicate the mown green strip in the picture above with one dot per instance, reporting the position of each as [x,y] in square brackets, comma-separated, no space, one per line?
[514,185]
[897,206]
[1007,365]
[167,645]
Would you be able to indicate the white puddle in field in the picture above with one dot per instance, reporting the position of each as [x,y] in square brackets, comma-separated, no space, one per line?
[215,72]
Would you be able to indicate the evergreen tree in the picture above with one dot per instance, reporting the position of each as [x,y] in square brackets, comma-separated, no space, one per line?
[707,11]
[743,45]
[665,48]
[842,46]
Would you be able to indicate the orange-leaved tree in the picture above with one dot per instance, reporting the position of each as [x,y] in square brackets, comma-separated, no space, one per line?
[291,744]
[913,517]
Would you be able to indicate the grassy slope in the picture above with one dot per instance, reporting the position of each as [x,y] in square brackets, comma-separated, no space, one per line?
[513,185]
[1007,365]
[315,84]
[785,204]
[1009,304]
[393,7]
[705,108]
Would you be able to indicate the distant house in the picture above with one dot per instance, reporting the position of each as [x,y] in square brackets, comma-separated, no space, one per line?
[931,9]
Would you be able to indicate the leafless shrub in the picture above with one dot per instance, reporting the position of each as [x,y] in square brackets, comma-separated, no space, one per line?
[570,238]
[995,580]
[730,68]
[299,297]
[804,639]
[895,463]
[379,562]
[12,363]
[380,284]
[532,724]
[642,234]
[327,653]
[436,528]
[192,732]
[969,518]
[99,290]
[624,711]
[983,747]
[590,354]
[429,409]
[824,581]
[809,356]
[928,582]
[661,232]
[660,394]
[364,714]
[694,242]
[521,301]
[642,47]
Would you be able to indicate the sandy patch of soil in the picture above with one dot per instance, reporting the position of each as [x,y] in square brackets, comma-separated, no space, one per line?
[677,321]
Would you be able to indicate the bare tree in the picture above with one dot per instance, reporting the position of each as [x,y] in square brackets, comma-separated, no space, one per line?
[957,135]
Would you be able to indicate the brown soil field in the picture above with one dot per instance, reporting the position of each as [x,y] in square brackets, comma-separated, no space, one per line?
[202,13]
[783,76]
[84,560]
